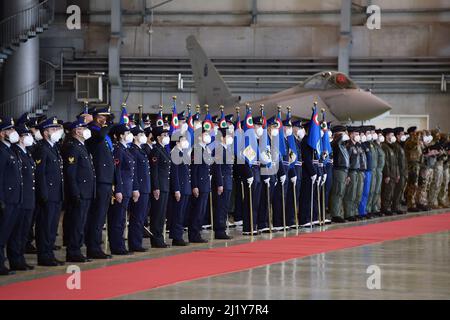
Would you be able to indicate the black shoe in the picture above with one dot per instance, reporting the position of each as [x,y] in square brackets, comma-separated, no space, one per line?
[138,250]
[337,219]
[30,249]
[351,219]
[199,240]
[400,212]
[99,255]
[413,209]
[388,213]
[120,253]
[222,236]
[47,263]
[4,271]
[79,259]
[179,243]
[160,245]
[18,267]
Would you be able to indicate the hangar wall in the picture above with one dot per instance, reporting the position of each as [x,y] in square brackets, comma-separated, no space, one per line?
[409,28]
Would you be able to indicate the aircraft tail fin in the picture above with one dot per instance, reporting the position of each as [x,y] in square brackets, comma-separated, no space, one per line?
[210,86]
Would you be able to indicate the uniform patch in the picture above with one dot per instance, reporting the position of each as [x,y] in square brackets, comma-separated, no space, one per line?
[71,160]
[155,159]
[38,162]
[116,162]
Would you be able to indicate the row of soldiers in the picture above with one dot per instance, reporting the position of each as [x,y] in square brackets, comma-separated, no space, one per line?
[376,171]
[130,174]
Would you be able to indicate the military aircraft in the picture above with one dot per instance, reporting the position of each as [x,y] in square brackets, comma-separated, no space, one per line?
[333,91]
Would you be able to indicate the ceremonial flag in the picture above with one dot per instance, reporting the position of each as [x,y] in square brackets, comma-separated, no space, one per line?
[251,142]
[313,138]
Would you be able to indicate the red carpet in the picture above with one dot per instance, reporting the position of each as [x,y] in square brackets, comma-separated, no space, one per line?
[127,278]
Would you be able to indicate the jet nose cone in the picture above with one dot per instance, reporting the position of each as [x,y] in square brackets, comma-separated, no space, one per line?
[357,105]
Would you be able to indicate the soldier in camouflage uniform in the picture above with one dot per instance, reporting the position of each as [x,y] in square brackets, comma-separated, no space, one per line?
[398,147]
[426,171]
[350,203]
[381,162]
[413,153]
[370,208]
[443,193]
[436,182]
[390,172]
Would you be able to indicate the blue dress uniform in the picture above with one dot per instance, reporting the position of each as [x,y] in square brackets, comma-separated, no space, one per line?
[49,194]
[222,176]
[125,182]
[138,210]
[253,171]
[147,149]
[298,168]
[201,179]
[277,197]
[160,165]
[100,147]
[79,176]
[10,197]
[291,192]
[27,205]
[309,169]
[180,180]
[367,176]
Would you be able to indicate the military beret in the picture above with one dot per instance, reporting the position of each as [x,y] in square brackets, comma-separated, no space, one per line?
[411,129]
[399,130]
[387,131]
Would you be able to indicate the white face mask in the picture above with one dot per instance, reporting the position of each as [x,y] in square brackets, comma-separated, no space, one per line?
[142,139]
[393,139]
[330,134]
[368,137]
[274,132]
[206,138]
[288,132]
[381,138]
[55,136]
[28,141]
[184,127]
[357,138]
[363,138]
[301,133]
[374,137]
[129,138]
[231,128]
[229,140]
[403,138]
[184,144]
[13,137]
[165,141]
[38,136]
[345,137]
[259,131]
[87,134]
[430,139]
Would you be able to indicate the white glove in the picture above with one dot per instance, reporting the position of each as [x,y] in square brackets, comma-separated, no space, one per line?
[324,179]
[250,181]
[283,179]
[267,181]
[313,178]
[294,180]
[318,180]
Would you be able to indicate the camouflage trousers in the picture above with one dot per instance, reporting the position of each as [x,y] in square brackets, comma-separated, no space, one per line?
[443,194]
[377,197]
[398,193]
[436,183]
[412,185]
[387,194]
[337,193]
[350,203]
[425,177]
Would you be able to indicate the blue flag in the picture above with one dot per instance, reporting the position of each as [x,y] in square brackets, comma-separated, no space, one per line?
[159,118]
[264,146]
[238,137]
[250,151]
[313,138]
[282,143]
[209,125]
[174,123]
[325,143]
[190,123]
[124,119]
[292,146]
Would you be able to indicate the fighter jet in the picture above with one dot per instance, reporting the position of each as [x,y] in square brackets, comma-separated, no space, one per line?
[333,91]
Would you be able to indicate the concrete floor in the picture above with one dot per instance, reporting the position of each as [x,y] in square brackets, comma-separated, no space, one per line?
[412,268]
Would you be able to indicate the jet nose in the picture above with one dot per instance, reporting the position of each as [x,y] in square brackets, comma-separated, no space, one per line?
[357,105]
